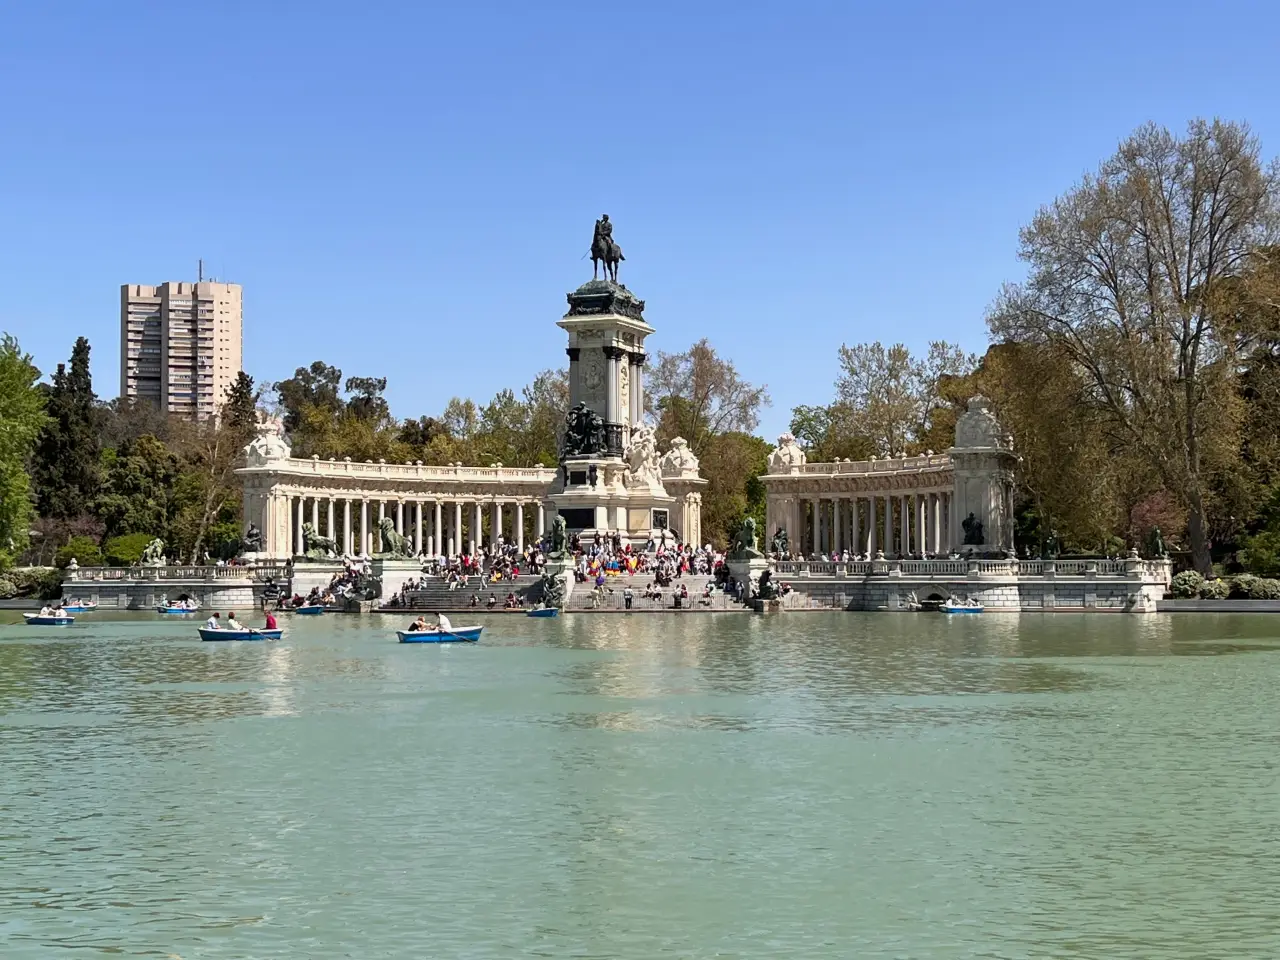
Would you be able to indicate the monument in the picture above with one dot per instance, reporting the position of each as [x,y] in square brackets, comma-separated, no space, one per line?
[611,479]
[983,462]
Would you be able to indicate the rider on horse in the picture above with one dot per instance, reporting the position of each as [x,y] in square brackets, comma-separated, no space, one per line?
[604,249]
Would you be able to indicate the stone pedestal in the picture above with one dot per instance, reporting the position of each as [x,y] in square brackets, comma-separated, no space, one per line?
[983,460]
[748,571]
[309,574]
[393,574]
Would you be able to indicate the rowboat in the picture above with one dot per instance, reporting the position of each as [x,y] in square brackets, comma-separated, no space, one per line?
[312,611]
[177,610]
[79,607]
[434,635]
[543,612]
[239,634]
[960,606]
[36,620]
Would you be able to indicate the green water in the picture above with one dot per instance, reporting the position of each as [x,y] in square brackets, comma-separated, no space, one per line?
[804,785]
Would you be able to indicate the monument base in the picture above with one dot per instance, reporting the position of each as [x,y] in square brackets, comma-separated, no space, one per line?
[313,574]
[595,499]
[394,573]
[748,571]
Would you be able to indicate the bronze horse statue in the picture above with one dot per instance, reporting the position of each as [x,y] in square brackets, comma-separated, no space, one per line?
[604,250]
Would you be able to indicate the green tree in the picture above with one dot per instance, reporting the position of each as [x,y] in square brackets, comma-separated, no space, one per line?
[1132,276]
[137,488]
[22,420]
[65,466]
[828,433]
[240,408]
[83,549]
[317,387]
[126,551]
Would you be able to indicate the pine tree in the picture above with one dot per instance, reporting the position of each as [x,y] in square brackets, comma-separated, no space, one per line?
[65,467]
[240,409]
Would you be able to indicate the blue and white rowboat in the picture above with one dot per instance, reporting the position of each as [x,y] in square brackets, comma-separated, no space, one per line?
[434,635]
[240,634]
[36,620]
[312,611]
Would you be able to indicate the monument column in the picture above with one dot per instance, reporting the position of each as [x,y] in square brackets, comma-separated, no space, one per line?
[613,428]
[575,387]
[455,548]
[637,386]
[495,533]
[297,532]
[437,547]
[377,530]
[541,524]
[400,517]
[855,535]
[888,526]
[475,526]
[364,528]
[315,514]
[837,527]
[330,520]
[519,526]
[417,527]
[817,526]
[904,527]
[346,527]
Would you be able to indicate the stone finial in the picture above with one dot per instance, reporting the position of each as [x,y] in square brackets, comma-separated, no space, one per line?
[787,456]
[978,426]
[269,445]
[679,461]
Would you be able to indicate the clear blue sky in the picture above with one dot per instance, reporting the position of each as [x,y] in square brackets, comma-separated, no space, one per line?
[407,189]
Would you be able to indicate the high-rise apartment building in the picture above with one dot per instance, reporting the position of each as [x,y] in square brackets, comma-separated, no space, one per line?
[180,344]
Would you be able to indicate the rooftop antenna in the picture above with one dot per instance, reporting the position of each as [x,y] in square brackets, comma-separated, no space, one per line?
[200,271]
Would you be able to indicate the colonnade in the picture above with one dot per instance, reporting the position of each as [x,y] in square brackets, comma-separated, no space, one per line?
[434,527]
[899,524]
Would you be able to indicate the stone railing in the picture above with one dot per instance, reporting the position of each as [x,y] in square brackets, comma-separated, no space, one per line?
[405,471]
[937,461]
[259,571]
[1147,570]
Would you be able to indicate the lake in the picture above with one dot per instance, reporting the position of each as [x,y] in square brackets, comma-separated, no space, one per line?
[646,786]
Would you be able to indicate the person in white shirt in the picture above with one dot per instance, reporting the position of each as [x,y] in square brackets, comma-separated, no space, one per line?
[233,623]
[212,623]
[442,623]
[46,611]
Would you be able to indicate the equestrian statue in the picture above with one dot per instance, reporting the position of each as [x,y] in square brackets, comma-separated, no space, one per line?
[604,250]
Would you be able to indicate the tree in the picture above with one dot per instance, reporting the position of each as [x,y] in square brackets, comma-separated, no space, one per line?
[828,433]
[212,451]
[698,396]
[138,479]
[240,408]
[65,467]
[316,386]
[889,397]
[22,419]
[1130,277]
[366,402]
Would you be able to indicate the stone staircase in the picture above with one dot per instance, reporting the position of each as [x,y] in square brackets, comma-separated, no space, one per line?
[435,594]
[583,593]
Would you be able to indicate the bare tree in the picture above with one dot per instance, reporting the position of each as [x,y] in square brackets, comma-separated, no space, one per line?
[889,395]
[1130,274]
[698,396]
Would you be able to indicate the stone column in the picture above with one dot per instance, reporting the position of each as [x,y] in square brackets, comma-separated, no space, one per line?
[297,531]
[346,527]
[611,355]
[366,541]
[519,525]
[417,527]
[315,514]
[495,533]
[575,387]
[541,525]
[330,520]
[837,526]
[400,517]
[637,387]
[904,527]
[871,526]
[476,526]
[919,546]
[455,548]
[817,527]
[378,545]
[438,530]
[888,526]
[855,535]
